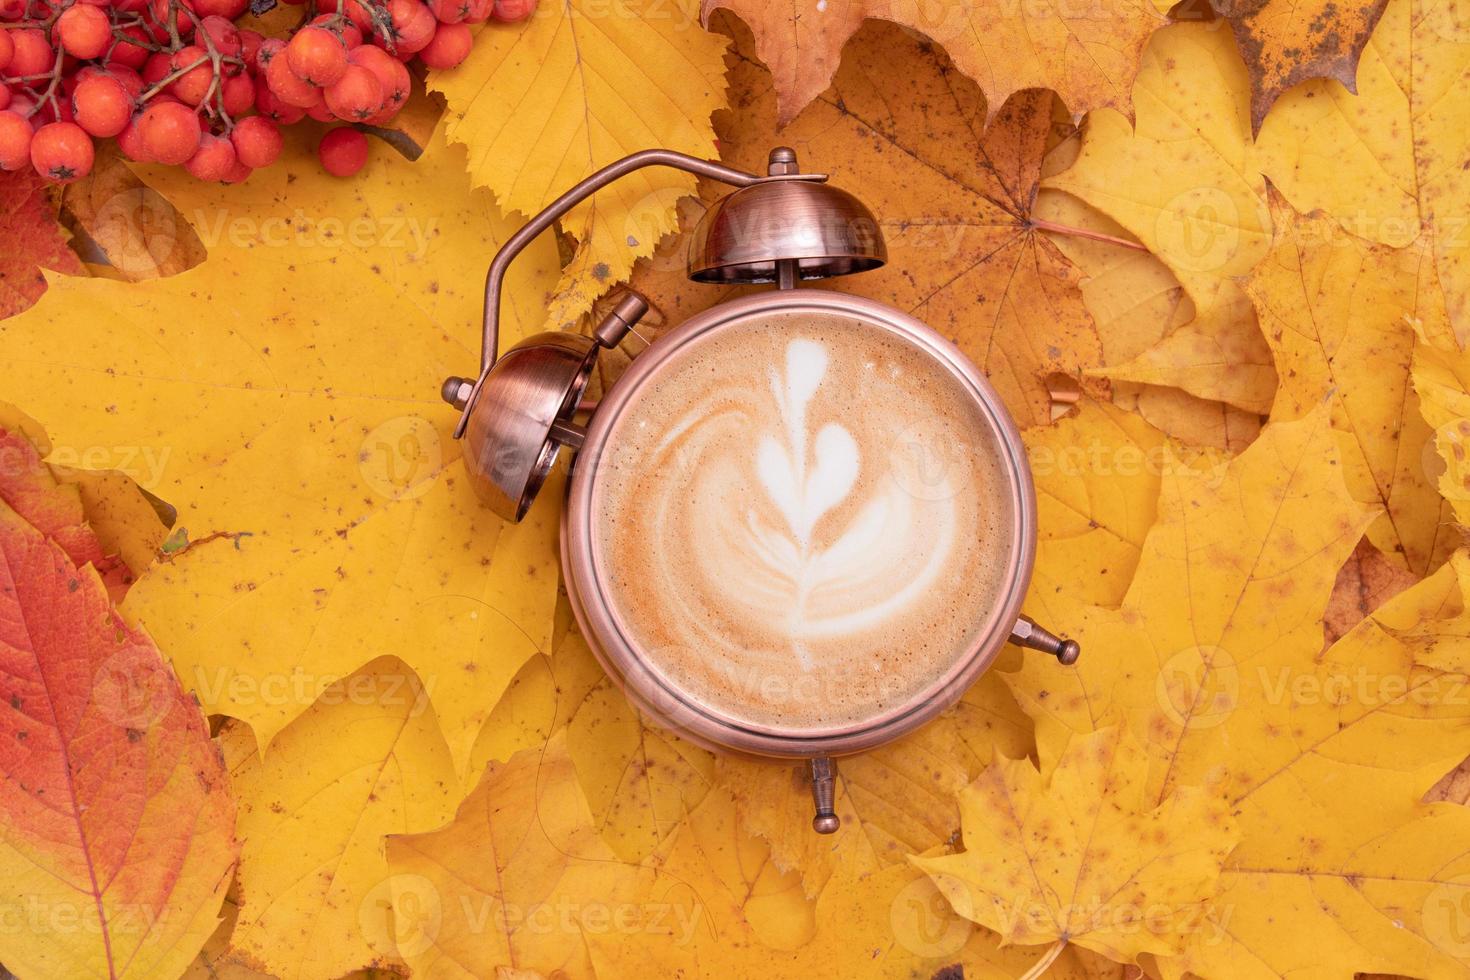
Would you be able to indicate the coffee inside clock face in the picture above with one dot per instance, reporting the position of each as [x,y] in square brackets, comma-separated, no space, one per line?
[800,521]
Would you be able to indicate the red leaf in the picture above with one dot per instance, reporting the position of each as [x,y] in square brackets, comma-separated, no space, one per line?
[116,822]
[29,488]
[30,240]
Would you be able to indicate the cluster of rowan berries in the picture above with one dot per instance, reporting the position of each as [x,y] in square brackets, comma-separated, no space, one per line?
[178,82]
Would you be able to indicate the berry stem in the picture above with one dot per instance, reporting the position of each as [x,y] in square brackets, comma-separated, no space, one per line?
[173,24]
[216,89]
[50,94]
[382,23]
[171,77]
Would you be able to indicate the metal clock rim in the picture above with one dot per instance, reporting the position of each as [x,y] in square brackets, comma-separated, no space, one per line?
[705,724]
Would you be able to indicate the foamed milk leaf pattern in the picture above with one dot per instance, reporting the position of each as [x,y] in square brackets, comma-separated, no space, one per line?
[783,470]
[840,519]
[804,490]
[802,496]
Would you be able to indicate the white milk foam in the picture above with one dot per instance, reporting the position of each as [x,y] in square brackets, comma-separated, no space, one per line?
[802,521]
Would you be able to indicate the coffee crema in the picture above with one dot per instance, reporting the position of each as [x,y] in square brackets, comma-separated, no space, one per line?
[801,520]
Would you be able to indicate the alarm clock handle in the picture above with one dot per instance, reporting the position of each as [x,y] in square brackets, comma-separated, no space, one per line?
[460,392]
[576,195]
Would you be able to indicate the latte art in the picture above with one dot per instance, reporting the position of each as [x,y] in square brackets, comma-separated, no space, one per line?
[801,521]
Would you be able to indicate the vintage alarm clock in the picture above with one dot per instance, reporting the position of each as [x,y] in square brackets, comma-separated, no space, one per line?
[801,523]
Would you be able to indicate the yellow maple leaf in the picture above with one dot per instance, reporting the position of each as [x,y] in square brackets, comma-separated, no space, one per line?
[1219,356]
[1386,162]
[1183,180]
[1137,302]
[895,800]
[1237,568]
[1097,487]
[522,880]
[1081,853]
[1441,375]
[365,761]
[1319,889]
[640,781]
[1215,665]
[1133,297]
[286,391]
[580,84]
[1337,312]
[1087,55]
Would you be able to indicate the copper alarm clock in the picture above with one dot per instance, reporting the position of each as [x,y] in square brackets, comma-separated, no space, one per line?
[801,523]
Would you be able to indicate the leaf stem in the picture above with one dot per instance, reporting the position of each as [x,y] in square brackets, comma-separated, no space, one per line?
[1041,224]
[1042,965]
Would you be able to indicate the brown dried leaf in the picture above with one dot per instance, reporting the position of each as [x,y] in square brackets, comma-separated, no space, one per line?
[954,200]
[1284,43]
[1088,54]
